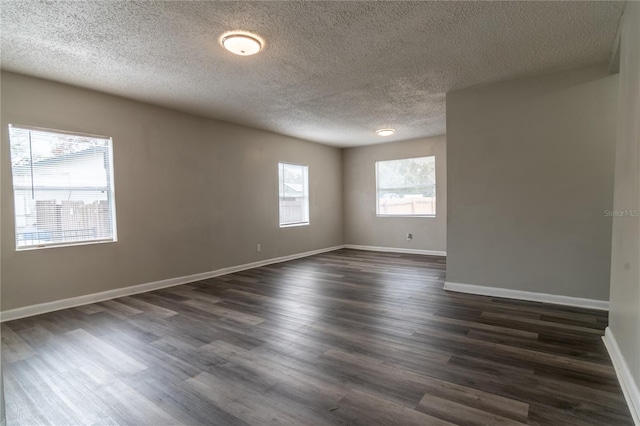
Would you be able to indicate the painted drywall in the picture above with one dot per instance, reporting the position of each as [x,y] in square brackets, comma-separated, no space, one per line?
[192,194]
[624,314]
[363,227]
[529,177]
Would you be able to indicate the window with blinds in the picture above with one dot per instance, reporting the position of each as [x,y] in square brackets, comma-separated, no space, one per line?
[294,194]
[62,186]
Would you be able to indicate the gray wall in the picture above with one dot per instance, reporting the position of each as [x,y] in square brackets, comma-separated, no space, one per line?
[361,225]
[530,173]
[624,314]
[192,194]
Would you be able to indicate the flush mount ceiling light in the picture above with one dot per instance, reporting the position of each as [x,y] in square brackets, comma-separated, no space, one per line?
[242,43]
[385,132]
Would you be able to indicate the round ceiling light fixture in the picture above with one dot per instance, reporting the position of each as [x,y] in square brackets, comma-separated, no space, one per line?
[242,43]
[385,132]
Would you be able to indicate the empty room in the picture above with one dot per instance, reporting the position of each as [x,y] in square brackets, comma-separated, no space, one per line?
[320,213]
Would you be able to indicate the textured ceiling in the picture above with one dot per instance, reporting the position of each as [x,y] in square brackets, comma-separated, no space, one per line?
[331,72]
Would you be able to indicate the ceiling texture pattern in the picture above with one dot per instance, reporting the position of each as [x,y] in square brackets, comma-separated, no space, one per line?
[330,72]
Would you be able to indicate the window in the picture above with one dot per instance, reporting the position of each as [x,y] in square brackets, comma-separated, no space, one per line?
[62,187]
[406,187]
[294,194]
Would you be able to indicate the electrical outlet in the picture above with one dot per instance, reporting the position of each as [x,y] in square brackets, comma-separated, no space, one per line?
[258,247]
[409,237]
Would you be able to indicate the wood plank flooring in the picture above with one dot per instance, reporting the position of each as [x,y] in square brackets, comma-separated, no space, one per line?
[343,338]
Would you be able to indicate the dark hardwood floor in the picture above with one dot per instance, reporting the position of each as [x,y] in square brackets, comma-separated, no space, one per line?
[348,337]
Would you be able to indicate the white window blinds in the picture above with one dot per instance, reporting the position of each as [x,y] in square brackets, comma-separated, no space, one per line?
[294,194]
[63,188]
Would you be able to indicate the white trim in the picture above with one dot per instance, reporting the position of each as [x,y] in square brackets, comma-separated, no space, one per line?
[291,225]
[556,299]
[56,305]
[405,215]
[67,244]
[397,250]
[627,382]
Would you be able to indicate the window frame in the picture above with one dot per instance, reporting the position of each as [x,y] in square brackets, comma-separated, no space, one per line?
[377,190]
[110,188]
[306,196]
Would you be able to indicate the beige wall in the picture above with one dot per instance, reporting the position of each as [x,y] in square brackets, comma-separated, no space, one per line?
[530,174]
[624,314]
[361,225]
[165,162]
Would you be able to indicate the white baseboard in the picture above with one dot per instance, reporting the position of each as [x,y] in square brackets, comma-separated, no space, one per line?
[627,382]
[56,305]
[396,250]
[602,305]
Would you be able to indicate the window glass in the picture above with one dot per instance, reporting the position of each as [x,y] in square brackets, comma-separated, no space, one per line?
[294,194]
[62,186]
[406,187]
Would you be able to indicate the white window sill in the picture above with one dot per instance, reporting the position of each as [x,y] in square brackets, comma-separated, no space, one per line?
[291,225]
[405,215]
[79,243]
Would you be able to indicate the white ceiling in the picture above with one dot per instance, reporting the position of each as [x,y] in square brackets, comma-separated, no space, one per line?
[331,72]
